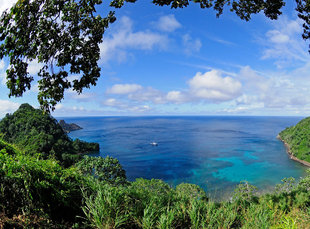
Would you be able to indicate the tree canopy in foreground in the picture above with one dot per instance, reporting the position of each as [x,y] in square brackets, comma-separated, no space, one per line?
[64,36]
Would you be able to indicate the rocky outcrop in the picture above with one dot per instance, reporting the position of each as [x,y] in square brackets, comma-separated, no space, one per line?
[68,127]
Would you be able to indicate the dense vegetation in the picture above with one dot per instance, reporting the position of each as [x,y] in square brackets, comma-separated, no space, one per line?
[298,139]
[39,192]
[37,133]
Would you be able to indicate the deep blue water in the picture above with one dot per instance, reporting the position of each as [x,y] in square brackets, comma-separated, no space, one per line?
[213,152]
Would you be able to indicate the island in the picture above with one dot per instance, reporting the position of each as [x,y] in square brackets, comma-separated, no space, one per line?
[297,141]
[68,127]
[36,132]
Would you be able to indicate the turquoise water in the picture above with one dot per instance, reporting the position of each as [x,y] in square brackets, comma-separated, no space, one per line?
[213,152]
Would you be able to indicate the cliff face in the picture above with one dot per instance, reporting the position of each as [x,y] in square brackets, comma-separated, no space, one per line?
[297,139]
[68,127]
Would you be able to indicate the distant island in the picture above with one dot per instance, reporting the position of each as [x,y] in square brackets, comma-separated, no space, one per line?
[297,141]
[68,127]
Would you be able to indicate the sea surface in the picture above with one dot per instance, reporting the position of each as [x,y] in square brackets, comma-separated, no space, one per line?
[217,153]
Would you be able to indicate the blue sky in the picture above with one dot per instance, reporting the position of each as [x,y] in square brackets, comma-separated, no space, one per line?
[159,61]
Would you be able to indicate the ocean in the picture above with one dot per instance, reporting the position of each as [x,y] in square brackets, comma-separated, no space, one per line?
[216,153]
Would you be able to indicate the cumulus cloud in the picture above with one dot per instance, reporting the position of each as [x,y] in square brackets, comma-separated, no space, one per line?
[123,38]
[6,4]
[177,97]
[214,87]
[136,92]
[210,87]
[148,94]
[7,106]
[34,67]
[273,91]
[124,89]
[248,91]
[168,23]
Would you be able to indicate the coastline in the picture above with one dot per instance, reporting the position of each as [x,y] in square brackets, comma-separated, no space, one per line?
[288,150]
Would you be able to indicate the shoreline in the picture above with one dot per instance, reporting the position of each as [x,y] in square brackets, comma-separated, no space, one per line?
[288,151]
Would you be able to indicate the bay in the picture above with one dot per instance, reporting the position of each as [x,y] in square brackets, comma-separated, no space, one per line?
[216,153]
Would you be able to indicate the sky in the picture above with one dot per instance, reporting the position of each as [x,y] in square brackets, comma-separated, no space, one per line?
[161,61]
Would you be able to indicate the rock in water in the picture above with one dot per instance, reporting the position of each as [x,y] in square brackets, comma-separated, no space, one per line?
[68,127]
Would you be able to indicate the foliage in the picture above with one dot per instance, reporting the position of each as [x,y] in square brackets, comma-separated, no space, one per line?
[303,9]
[298,139]
[190,191]
[36,192]
[244,193]
[107,169]
[64,36]
[107,208]
[33,187]
[45,195]
[38,133]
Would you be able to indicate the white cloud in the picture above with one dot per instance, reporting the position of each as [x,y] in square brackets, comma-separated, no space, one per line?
[139,109]
[34,67]
[213,87]
[148,94]
[2,65]
[191,45]
[284,43]
[123,38]
[177,97]
[6,4]
[168,23]
[275,36]
[85,96]
[59,106]
[210,87]
[125,106]
[124,89]
[67,110]
[252,80]
[111,102]
[136,92]
[3,72]
[273,92]
[7,106]
[247,109]
[245,92]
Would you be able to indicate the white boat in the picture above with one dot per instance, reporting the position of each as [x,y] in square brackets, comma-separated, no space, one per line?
[154,143]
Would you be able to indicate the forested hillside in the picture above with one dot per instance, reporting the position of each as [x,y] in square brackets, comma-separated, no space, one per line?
[36,132]
[297,139]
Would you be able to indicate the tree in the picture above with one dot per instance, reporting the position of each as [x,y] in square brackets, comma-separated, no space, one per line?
[64,36]
[106,169]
